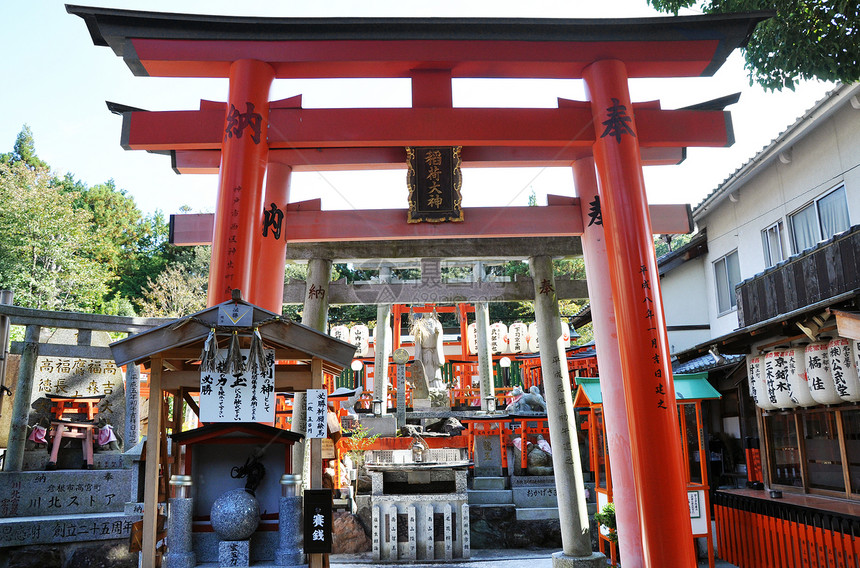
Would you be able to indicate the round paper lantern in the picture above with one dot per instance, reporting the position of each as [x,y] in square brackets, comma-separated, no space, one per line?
[843,368]
[818,375]
[388,340]
[533,343]
[498,338]
[517,334]
[755,376]
[565,334]
[797,377]
[776,379]
[340,332]
[359,336]
[472,338]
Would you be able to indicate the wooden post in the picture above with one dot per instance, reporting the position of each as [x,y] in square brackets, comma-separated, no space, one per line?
[316,560]
[609,362]
[244,153]
[153,446]
[14,460]
[644,348]
[267,286]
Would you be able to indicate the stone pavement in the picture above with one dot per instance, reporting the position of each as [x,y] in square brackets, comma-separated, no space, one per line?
[508,558]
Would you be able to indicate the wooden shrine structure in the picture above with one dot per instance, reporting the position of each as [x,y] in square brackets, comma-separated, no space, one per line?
[606,139]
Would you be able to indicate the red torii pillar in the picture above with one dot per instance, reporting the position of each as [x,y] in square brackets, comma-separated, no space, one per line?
[644,347]
[244,153]
[596,259]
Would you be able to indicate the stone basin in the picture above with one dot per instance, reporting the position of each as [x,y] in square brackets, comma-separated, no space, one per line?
[417,466]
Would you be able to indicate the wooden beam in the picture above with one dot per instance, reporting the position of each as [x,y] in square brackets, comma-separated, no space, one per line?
[315,482]
[848,324]
[150,479]
[399,127]
[394,158]
[389,226]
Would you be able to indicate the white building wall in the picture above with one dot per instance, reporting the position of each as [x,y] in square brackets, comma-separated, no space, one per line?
[824,158]
[685,304]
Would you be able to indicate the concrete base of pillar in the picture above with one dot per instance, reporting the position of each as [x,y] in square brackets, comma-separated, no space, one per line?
[179,560]
[561,560]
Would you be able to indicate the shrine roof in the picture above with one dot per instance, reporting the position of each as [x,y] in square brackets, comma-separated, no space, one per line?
[184,338]
[691,386]
[190,45]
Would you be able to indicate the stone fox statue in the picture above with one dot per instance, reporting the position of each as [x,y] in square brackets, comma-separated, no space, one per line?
[427,334]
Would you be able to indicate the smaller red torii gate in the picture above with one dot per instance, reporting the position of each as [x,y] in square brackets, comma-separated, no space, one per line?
[252,52]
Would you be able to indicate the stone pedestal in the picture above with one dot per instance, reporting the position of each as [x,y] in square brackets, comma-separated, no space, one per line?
[289,552]
[595,560]
[385,425]
[179,549]
[234,553]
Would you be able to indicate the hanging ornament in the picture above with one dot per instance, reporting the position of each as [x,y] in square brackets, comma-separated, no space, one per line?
[233,361]
[256,356]
[209,357]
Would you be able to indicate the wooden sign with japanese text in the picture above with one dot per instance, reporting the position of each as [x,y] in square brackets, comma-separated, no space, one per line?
[434,181]
[316,402]
[238,397]
[318,521]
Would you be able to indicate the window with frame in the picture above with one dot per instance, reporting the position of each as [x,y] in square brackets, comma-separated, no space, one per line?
[727,273]
[772,241]
[819,220]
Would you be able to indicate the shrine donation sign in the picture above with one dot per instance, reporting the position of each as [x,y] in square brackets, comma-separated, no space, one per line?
[248,396]
[434,181]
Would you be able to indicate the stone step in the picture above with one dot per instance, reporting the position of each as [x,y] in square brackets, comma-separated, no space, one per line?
[490,496]
[537,513]
[489,483]
[535,496]
[57,529]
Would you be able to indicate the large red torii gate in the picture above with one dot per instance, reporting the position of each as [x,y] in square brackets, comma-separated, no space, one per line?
[252,52]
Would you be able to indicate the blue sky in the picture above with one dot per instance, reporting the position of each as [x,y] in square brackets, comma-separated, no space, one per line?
[57,82]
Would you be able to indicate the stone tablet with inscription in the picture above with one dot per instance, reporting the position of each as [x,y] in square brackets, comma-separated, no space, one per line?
[75,377]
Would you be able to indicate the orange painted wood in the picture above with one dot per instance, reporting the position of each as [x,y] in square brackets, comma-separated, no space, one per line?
[399,127]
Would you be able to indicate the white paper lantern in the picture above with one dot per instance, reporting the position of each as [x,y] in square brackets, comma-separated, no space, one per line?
[565,334]
[340,332]
[755,376]
[388,340]
[472,338]
[533,343]
[797,377]
[843,368]
[776,379]
[818,375]
[359,336]
[517,334]
[498,338]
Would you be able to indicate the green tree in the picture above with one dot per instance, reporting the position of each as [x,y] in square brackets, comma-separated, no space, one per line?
[24,151]
[47,255]
[806,39]
[179,289]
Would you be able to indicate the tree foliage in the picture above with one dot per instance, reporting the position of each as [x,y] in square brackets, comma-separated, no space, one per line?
[67,246]
[806,39]
[24,151]
[47,256]
[179,289]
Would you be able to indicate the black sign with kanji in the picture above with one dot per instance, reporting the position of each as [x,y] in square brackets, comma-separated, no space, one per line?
[434,182]
[318,521]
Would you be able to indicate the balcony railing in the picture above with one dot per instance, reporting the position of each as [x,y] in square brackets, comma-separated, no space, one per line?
[826,271]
